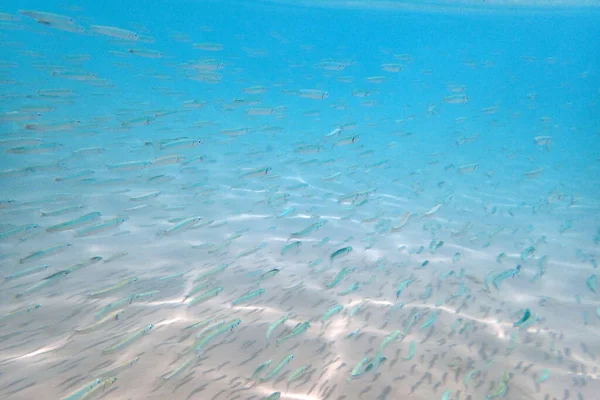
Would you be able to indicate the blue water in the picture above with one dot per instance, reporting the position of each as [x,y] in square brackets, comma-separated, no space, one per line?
[447,194]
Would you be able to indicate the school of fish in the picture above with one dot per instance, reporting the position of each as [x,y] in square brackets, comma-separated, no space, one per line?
[226,235]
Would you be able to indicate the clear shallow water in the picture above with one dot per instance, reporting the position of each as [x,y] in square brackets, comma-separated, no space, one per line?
[445,146]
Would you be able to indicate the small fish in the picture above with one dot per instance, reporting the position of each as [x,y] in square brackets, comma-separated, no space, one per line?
[500,257]
[44,282]
[61,211]
[591,283]
[259,369]
[255,89]
[76,175]
[104,383]
[18,229]
[332,177]
[87,151]
[114,316]
[171,276]
[90,261]
[186,142]
[278,368]
[313,94]
[375,362]
[523,319]
[211,272]
[353,333]
[74,223]
[429,322]
[35,148]
[26,272]
[198,324]
[44,253]
[256,173]
[248,296]
[197,288]
[146,196]
[510,273]
[433,210]
[206,295]
[292,245]
[297,373]
[269,274]
[347,140]
[274,326]
[286,212]
[226,328]
[116,370]
[411,351]
[500,387]
[114,32]
[79,393]
[91,230]
[388,339]
[391,67]
[179,369]
[181,226]
[251,250]
[542,140]
[145,53]
[463,169]
[113,305]
[298,329]
[322,242]
[338,278]
[456,99]
[331,312]
[200,335]
[129,339]
[315,226]
[352,288]
[528,253]
[402,223]
[340,252]
[20,311]
[334,132]
[130,165]
[543,376]
[273,396]
[403,285]
[358,369]
[116,286]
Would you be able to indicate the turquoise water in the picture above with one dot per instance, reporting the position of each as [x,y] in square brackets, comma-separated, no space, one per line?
[299,200]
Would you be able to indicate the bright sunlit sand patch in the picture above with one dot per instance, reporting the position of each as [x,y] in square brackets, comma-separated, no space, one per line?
[169,322]
[43,350]
[285,394]
[247,217]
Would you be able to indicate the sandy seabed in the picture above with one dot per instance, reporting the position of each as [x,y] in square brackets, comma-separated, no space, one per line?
[465,350]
